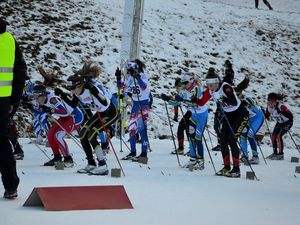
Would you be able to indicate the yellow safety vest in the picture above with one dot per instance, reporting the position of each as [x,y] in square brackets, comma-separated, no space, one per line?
[7,60]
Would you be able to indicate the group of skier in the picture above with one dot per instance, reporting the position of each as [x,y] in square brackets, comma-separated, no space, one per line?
[91,110]
[237,119]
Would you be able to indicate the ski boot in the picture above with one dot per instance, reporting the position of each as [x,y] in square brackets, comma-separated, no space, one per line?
[129,156]
[68,162]
[10,194]
[223,171]
[57,158]
[101,169]
[254,160]
[216,148]
[234,173]
[178,150]
[272,156]
[142,158]
[278,156]
[87,169]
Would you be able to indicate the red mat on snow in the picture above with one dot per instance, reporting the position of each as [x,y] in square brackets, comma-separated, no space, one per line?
[79,198]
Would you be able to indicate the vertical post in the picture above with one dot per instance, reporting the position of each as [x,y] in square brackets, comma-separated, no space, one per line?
[130,46]
[132,30]
[136,29]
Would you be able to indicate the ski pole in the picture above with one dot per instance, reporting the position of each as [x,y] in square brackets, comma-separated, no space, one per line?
[211,133]
[238,142]
[43,151]
[258,144]
[212,162]
[69,134]
[120,119]
[191,143]
[105,130]
[209,137]
[294,141]
[268,128]
[122,140]
[172,133]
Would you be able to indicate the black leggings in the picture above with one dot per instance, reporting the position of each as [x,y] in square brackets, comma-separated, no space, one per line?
[91,129]
[183,127]
[218,120]
[266,3]
[233,125]
[280,129]
[8,170]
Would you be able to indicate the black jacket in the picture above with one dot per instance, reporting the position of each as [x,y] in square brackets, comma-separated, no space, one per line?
[20,75]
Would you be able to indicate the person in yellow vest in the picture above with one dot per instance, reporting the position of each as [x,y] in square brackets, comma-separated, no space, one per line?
[12,79]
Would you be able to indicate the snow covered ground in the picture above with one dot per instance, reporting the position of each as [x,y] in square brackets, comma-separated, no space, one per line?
[162,193]
[178,35]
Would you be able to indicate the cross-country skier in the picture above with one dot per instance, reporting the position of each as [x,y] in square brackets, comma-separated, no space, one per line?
[219,118]
[40,118]
[191,88]
[88,95]
[236,119]
[136,85]
[183,124]
[284,122]
[69,120]
[256,120]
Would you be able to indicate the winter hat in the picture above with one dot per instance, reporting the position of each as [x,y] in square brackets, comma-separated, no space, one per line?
[3,24]
[177,82]
[275,97]
[74,81]
[227,63]
[39,90]
[141,65]
[212,77]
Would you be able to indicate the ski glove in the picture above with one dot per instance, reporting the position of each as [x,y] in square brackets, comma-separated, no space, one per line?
[178,98]
[216,96]
[47,109]
[165,97]
[136,76]
[118,73]
[58,91]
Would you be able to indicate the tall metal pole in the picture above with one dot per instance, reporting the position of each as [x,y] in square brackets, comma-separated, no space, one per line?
[130,46]
[132,30]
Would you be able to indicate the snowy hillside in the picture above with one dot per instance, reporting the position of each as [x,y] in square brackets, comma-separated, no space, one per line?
[178,36]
